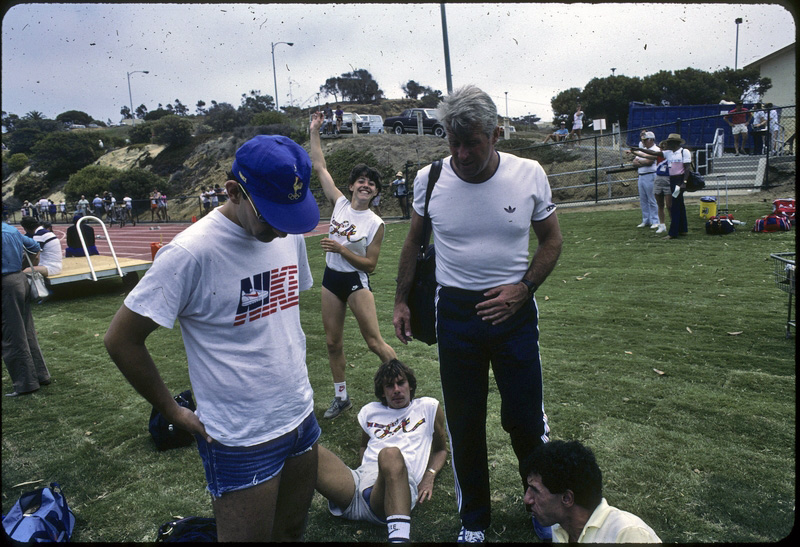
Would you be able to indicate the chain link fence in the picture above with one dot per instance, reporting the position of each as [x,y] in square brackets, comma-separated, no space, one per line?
[596,168]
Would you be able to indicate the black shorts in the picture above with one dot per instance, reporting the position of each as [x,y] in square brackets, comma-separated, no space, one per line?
[343,284]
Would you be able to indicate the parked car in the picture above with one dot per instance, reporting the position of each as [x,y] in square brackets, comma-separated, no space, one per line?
[407,122]
[362,126]
[375,122]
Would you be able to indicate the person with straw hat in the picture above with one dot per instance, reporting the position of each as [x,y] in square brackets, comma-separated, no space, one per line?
[401,191]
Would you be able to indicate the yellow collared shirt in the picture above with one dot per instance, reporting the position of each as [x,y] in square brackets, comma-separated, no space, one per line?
[610,525]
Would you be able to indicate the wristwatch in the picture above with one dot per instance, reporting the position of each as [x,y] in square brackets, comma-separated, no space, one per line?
[531,286]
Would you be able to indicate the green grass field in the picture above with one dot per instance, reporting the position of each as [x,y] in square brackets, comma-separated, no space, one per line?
[667,358]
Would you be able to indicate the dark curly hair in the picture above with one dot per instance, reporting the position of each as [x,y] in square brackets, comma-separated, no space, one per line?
[390,370]
[364,170]
[567,465]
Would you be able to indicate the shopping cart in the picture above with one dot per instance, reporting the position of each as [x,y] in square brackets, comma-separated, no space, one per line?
[783,269]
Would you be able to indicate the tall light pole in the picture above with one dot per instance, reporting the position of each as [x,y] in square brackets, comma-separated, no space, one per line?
[274,76]
[736,58]
[446,51]
[130,97]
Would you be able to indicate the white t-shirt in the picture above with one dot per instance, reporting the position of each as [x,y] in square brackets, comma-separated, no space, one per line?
[482,231]
[353,229]
[51,250]
[410,429]
[676,159]
[237,303]
[645,169]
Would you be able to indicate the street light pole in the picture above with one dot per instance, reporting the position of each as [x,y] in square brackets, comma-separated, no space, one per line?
[736,57]
[130,97]
[274,75]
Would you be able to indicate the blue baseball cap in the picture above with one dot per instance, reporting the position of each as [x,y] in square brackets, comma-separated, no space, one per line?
[276,172]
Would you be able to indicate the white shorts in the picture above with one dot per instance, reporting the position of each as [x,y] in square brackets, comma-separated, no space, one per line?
[739,128]
[359,509]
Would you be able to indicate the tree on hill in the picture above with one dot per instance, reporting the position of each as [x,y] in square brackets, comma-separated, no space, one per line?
[126,113]
[21,141]
[64,153]
[430,97]
[222,117]
[141,111]
[357,86]
[172,131]
[74,117]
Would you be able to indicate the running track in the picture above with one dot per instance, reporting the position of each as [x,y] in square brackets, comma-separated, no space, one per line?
[134,241]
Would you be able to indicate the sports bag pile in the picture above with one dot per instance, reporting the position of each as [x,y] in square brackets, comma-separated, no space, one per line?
[772,223]
[720,225]
[40,516]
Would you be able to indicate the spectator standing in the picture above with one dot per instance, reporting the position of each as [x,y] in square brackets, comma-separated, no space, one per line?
[577,122]
[205,200]
[662,192]
[646,165]
[97,203]
[44,209]
[486,313]
[328,125]
[162,208]
[398,465]
[52,211]
[212,196]
[50,262]
[62,208]
[565,491]
[155,196]
[21,352]
[401,191]
[221,194]
[255,427]
[25,210]
[340,119]
[738,118]
[74,247]
[83,206]
[774,129]
[760,129]
[129,208]
[351,250]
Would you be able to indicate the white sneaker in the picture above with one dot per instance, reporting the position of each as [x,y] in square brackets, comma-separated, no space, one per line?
[654,226]
[661,228]
[468,536]
[642,225]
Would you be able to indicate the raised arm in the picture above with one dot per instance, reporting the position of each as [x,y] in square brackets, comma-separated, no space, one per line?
[318,160]
[437,458]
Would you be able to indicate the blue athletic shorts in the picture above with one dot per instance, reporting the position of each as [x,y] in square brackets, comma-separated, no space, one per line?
[230,468]
[343,284]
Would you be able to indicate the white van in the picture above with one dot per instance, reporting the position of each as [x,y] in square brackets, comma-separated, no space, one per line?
[375,122]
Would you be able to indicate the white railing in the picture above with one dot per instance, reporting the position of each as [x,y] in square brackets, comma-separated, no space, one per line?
[86,250]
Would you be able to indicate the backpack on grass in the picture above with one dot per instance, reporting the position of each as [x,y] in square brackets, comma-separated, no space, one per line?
[40,516]
[189,529]
[167,435]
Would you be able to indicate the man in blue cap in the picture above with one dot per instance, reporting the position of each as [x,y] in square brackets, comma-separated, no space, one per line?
[233,280]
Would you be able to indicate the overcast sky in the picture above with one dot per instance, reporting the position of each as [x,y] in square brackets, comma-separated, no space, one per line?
[59,57]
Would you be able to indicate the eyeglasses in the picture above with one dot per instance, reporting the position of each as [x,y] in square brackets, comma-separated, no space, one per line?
[258,215]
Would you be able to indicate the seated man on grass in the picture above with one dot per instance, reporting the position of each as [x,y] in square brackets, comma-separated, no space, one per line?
[565,491]
[558,135]
[403,447]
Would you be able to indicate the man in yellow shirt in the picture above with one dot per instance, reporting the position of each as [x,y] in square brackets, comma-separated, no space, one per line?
[565,491]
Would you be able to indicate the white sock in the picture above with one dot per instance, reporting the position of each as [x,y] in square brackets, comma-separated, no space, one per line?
[340,390]
[399,527]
